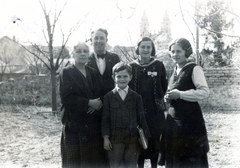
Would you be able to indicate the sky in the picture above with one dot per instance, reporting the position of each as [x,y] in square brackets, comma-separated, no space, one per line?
[120,17]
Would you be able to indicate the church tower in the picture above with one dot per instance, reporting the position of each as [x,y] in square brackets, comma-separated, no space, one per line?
[161,38]
[144,26]
[166,26]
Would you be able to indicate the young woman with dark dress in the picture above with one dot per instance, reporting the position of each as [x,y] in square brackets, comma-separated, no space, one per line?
[185,137]
[149,80]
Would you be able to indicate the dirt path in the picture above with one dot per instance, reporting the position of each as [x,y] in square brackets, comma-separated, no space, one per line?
[35,142]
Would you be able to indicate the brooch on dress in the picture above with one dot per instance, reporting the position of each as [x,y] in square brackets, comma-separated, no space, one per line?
[152,74]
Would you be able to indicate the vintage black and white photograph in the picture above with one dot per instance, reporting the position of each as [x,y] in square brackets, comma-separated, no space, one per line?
[119,83]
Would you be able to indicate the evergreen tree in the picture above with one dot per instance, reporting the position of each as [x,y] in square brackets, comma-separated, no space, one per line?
[215,22]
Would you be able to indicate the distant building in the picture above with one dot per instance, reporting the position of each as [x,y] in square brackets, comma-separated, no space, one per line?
[11,59]
[16,62]
[144,26]
[161,38]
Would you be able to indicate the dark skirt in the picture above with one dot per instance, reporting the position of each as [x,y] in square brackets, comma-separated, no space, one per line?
[185,147]
[156,123]
[79,151]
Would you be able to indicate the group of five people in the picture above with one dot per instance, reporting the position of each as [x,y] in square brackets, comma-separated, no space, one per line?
[105,99]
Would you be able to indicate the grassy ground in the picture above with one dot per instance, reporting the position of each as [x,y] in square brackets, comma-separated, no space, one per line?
[30,139]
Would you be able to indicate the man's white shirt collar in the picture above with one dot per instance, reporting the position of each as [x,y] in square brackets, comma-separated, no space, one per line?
[101,63]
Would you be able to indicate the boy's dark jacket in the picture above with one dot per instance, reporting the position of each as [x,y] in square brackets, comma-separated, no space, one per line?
[113,121]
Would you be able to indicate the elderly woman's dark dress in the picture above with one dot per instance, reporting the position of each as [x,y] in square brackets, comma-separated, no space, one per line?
[81,142]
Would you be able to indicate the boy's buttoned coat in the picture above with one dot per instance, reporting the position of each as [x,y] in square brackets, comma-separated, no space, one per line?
[121,117]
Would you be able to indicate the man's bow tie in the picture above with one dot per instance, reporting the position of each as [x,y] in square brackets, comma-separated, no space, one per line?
[101,56]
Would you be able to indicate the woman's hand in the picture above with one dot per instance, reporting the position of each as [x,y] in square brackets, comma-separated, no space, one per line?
[107,145]
[95,104]
[173,94]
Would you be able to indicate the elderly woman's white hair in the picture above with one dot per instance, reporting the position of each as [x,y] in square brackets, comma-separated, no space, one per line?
[74,48]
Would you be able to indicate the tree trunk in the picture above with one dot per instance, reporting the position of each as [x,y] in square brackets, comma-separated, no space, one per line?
[54,91]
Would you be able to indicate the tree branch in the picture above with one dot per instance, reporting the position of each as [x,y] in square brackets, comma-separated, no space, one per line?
[185,20]
[134,9]
[28,50]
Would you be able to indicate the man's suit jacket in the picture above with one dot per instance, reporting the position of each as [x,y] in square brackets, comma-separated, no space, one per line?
[111,59]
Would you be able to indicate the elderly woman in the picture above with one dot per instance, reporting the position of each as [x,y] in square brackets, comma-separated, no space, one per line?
[185,138]
[149,80]
[81,142]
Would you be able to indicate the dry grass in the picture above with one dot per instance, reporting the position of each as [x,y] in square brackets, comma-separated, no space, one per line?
[34,141]
[223,131]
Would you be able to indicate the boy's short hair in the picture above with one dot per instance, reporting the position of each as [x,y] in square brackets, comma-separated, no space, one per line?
[120,66]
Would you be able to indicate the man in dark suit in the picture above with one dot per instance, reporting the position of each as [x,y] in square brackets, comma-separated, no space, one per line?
[102,60]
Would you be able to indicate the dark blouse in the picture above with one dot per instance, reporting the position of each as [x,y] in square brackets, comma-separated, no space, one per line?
[149,80]
[152,75]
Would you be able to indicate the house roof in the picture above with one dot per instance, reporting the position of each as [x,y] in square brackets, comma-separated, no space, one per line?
[11,57]
[17,60]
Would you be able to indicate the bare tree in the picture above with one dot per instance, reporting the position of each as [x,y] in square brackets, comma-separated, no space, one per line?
[33,62]
[46,54]
[133,8]
[127,54]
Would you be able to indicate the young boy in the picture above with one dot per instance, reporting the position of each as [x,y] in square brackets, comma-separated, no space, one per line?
[122,113]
